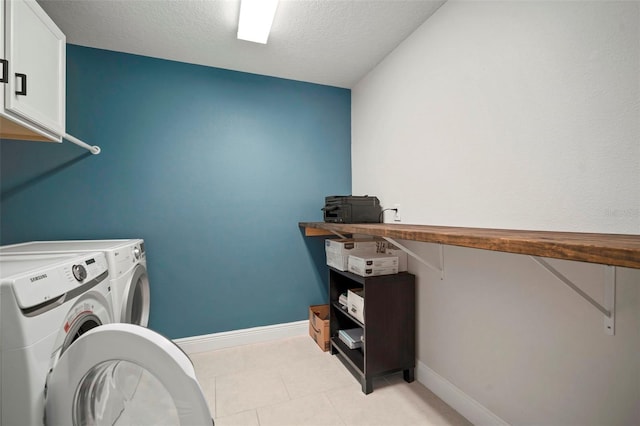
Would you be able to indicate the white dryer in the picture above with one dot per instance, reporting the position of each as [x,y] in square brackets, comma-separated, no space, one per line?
[127,260]
[62,361]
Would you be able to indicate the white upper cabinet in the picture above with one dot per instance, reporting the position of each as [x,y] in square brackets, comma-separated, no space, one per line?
[33,50]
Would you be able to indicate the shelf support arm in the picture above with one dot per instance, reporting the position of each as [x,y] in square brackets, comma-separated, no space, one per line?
[338,234]
[609,292]
[419,259]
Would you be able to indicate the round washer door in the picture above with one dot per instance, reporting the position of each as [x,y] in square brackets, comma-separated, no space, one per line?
[124,374]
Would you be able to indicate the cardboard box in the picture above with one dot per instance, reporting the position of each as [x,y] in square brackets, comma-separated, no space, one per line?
[375,260]
[373,272]
[342,300]
[374,264]
[402,256]
[338,250]
[319,325]
[355,303]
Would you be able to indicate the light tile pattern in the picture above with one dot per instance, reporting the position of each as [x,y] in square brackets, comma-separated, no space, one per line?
[292,382]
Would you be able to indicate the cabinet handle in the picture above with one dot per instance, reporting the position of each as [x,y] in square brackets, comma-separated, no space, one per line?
[23,90]
[5,71]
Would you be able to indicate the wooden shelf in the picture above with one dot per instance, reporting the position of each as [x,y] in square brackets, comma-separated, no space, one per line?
[343,311]
[608,249]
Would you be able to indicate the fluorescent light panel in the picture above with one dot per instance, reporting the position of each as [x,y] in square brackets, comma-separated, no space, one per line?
[256,17]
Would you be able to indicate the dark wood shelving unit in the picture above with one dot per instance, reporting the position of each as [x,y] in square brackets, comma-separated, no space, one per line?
[389,325]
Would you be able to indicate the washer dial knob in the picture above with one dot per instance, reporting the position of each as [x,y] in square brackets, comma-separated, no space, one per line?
[79,272]
[136,252]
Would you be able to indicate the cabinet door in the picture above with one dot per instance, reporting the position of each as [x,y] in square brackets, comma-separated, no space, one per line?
[36,54]
[4,67]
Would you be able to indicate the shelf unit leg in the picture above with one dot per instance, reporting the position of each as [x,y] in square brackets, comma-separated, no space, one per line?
[409,375]
[367,385]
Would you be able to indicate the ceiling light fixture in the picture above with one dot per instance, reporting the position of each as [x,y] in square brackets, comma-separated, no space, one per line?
[256,17]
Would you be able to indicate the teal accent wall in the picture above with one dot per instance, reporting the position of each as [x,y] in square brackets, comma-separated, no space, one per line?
[213,168]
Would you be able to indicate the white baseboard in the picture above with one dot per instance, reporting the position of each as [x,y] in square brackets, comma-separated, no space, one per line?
[246,336]
[475,412]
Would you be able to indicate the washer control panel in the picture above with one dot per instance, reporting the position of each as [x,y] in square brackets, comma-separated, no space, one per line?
[60,276]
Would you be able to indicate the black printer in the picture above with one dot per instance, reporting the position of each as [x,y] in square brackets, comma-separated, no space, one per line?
[351,209]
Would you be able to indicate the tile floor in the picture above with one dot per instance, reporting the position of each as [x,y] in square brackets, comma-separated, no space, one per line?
[292,382]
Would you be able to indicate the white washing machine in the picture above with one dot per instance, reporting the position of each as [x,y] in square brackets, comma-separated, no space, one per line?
[62,361]
[127,260]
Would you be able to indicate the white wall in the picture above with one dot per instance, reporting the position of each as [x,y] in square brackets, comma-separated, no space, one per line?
[520,115]
[507,114]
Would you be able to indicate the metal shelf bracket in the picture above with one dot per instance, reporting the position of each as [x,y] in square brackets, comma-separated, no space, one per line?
[338,234]
[419,259]
[609,308]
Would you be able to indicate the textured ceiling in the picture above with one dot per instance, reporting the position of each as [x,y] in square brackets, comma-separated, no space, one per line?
[332,42]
